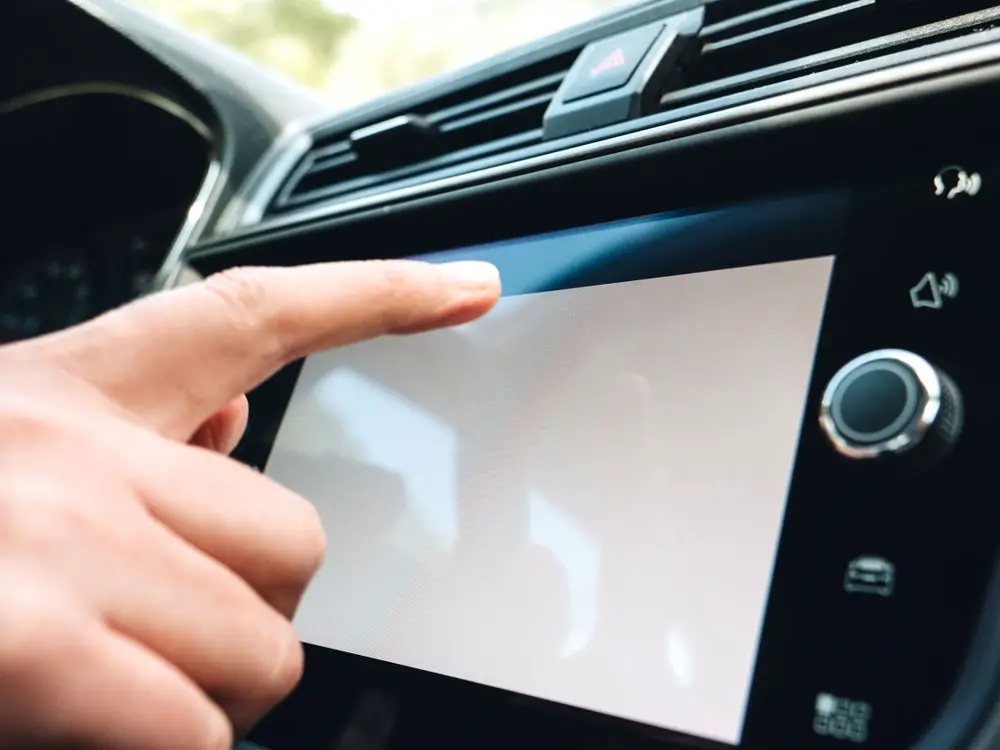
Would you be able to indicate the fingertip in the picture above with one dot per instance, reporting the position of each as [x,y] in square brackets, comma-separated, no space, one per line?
[478,287]
[472,274]
[472,309]
[467,308]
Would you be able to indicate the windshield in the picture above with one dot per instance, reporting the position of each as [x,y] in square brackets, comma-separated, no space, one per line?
[351,51]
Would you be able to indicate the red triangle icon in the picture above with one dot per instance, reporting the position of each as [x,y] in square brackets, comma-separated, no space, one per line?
[612,61]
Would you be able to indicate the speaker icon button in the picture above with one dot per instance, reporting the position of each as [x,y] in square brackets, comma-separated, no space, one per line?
[932,291]
[891,402]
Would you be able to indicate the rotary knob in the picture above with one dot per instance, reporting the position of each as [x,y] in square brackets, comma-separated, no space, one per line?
[891,402]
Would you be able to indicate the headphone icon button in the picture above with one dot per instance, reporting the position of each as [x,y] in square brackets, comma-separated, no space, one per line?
[953,181]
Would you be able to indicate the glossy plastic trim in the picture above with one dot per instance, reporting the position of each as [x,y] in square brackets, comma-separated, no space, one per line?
[890,70]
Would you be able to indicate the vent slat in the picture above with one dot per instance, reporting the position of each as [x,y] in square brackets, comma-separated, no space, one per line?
[325,163]
[714,29]
[823,60]
[539,102]
[548,83]
[789,25]
[749,42]
[744,44]
[484,121]
[311,188]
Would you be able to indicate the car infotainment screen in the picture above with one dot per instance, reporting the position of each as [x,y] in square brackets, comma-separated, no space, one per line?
[578,497]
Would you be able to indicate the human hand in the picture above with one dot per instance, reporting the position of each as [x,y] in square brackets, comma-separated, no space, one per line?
[147,581]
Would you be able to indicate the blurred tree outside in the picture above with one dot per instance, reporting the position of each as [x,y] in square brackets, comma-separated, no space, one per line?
[354,50]
[384,54]
[296,37]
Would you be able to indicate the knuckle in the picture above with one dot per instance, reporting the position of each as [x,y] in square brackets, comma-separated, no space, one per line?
[248,307]
[285,663]
[295,542]
[312,544]
[243,293]
[309,547]
[303,550]
[38,626]
[23,422]
[45,516]
[217,732]
[28,514]
[394,292]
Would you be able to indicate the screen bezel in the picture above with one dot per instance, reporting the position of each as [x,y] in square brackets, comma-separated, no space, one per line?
[908,142]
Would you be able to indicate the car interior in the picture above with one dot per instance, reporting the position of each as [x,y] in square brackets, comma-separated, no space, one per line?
[715,472]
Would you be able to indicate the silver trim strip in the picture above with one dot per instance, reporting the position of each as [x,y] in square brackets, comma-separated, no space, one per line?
[115,89]
[212,183]
[985,51]
[248,206]
[924,405]
[193,226]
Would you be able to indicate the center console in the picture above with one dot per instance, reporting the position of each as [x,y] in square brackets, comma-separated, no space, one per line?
[717,471]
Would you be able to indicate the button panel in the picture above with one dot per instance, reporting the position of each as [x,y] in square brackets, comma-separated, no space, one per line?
[881,572]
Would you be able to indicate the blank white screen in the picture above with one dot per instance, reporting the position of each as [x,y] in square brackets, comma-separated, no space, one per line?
[577,498]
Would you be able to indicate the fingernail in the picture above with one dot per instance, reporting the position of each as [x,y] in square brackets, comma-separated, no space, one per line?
[471,273]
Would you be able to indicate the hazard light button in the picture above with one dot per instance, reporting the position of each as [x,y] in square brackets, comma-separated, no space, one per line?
[609,63]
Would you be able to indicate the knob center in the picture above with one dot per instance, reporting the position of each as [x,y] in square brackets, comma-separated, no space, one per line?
[876,401]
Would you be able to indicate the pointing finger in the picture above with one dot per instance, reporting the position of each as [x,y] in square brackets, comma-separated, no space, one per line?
[183,354]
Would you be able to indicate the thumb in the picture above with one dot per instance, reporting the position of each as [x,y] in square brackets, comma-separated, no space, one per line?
[223,431]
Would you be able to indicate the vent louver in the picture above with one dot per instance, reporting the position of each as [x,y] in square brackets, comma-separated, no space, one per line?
[743,45]
[488,119]
[746,43]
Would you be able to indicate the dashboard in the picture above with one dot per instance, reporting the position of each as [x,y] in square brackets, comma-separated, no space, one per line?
[718,471]
[93,205]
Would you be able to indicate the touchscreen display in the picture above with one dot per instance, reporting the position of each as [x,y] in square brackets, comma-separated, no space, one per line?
[579,497]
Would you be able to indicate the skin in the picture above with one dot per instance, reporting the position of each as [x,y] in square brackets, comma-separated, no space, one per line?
[148,581]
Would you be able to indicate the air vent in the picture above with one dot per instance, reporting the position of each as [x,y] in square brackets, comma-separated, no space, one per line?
[749,42]
[485,120]
[743,45]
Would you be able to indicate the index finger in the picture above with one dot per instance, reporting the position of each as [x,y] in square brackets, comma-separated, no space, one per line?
[176,357]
